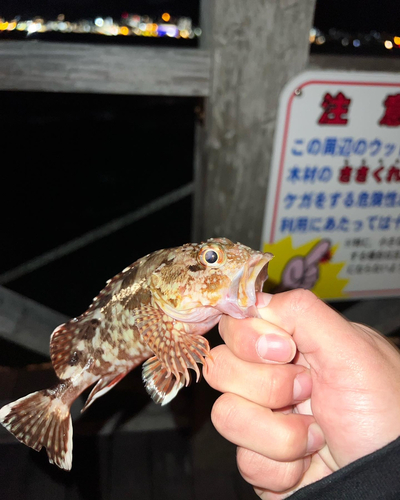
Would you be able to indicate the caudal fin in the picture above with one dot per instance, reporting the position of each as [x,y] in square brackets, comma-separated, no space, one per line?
[41,419]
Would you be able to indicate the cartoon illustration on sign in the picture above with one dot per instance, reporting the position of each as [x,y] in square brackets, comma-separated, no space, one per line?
[332,215]
[303,271]
[306,266]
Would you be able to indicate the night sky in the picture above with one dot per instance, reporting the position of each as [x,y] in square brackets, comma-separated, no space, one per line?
[350,15]
[75,9]
[358,15]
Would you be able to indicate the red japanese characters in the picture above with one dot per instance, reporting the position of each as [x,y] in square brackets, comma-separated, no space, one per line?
[336,109]
[391,118]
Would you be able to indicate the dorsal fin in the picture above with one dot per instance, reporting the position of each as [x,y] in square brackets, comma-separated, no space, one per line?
[70,344]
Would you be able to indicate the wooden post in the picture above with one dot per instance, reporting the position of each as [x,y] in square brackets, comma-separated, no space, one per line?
[255,48]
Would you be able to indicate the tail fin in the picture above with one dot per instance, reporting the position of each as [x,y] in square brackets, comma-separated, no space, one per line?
[41,419]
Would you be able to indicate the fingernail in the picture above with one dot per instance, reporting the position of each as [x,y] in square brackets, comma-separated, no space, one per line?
[302,386]
[315,439]
[274,347]
[263,299]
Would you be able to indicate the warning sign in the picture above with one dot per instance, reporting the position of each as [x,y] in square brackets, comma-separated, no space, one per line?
[332,215]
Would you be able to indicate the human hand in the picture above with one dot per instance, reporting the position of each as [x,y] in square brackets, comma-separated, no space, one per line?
[296,423]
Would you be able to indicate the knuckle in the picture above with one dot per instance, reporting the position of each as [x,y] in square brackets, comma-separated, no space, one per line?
[218,354]
[214,363]
[270,387]
[290,474]
[292,445]
[301,299]
[219,369]
[224,413]
[251,465]
[261,471]
[227,326]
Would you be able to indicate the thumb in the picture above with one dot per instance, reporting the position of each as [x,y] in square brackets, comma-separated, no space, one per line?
[321,334]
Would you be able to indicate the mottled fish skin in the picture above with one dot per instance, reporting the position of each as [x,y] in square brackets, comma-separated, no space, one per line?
[159,307]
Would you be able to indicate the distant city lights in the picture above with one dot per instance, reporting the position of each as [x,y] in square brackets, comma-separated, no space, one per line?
[128,25]
[179,27]
[371,39]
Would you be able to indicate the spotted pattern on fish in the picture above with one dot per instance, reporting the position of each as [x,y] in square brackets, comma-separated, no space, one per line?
[156,309]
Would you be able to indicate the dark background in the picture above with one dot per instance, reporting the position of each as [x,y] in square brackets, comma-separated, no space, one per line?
[69,164]
[358,15]
[352,15]
[90,9]
[78,161]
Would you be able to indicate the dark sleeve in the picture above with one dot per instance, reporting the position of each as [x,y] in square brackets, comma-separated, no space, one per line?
[376,476]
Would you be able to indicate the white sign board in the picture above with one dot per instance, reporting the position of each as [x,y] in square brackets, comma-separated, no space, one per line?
[332,215]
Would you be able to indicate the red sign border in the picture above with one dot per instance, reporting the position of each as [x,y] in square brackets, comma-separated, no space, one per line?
[283,152]
[286,131]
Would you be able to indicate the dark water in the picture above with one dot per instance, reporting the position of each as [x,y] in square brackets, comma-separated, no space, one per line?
[73,162]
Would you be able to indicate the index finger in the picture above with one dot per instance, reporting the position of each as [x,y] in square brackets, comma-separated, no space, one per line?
[317,252]
[320,333]
[272,386]
[257,340]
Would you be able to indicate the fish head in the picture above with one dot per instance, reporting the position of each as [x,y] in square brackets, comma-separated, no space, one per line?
[199,281]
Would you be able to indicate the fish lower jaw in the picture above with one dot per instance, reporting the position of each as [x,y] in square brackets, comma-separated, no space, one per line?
[236,311]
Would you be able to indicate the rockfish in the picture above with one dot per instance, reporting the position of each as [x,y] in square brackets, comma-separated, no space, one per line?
[156,309]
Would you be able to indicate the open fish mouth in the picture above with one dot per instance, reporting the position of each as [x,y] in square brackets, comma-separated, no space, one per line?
[241,299]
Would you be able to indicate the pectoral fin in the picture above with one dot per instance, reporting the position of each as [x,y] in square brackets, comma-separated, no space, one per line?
[161,385]
[175,351]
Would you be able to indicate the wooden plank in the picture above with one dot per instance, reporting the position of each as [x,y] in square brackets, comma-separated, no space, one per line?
[27,323]
[255,47]
[66,67]
[354,63]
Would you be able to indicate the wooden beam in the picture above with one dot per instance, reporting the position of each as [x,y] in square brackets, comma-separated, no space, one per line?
[27,323]
[255,47]
[66,67]
[354,63]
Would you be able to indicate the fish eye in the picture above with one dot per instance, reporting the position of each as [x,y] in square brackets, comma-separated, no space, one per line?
[211,256]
